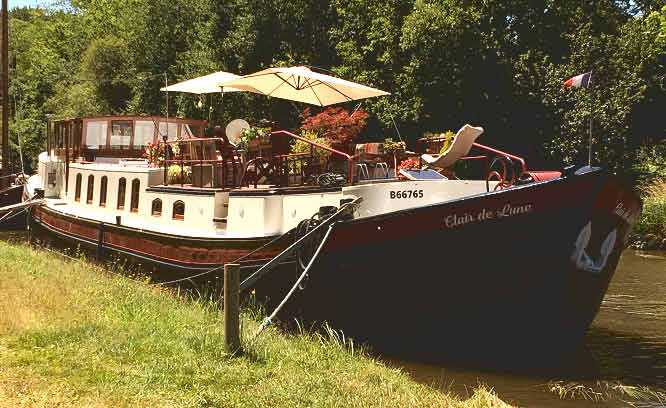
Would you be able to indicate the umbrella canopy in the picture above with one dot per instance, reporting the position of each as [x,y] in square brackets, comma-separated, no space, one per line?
[302,85]
[204,84]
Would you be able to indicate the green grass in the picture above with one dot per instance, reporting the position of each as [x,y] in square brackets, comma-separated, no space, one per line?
[73,335]
[606,391]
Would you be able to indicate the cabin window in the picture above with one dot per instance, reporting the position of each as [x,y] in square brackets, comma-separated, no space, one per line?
[60,135]
[190,131]
[96,134]
[121,134]
[102,191]
[179,210]
[52,179]
[173,130]
[91,189]
[77,191]
[134,203]
[157,207]
[121,193]
[144,132]
[77,129]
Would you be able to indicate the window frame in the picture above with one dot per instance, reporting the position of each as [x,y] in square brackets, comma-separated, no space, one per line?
[90,190]
[118,122]
[176,216]
[77,190]
[153,212]
[103,184]
[122,192]
[134,197]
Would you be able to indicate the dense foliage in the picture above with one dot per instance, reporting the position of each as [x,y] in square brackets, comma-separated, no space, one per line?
[446,62]
[334,123]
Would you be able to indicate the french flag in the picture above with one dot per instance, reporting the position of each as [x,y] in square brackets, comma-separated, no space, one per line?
[582,80]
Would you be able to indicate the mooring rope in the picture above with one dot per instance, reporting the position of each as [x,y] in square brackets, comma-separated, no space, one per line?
[11,214]
[270,318]
[265,269]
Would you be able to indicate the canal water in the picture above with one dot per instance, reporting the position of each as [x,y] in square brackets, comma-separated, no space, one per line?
[625,345]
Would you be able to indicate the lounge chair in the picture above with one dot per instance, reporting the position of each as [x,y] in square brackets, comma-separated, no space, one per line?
[462,144]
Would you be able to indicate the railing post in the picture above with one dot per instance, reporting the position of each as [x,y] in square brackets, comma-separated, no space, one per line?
[231,307]
[201,158]
[182,164]
[224,171]
[166,164]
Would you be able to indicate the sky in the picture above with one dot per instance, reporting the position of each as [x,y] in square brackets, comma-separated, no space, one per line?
[28,3]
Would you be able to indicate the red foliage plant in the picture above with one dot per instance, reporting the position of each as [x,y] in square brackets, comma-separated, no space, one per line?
[335,123]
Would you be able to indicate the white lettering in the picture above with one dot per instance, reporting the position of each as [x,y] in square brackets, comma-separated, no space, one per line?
[508,210]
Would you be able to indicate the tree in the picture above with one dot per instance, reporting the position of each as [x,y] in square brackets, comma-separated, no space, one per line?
[104,65]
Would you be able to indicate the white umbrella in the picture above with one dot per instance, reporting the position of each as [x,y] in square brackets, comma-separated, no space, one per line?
[302,85]
[204,84]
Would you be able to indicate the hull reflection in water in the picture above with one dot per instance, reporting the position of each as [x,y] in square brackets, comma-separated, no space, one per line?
[626,344]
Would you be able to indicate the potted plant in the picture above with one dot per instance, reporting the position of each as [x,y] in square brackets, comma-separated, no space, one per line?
[154,153]
[392,148]
[299,146]
[179,175]
[254,136]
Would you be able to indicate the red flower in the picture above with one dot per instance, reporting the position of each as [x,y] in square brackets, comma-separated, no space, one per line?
[409,164]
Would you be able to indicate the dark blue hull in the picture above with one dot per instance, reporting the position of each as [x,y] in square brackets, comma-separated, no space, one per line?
[494,288]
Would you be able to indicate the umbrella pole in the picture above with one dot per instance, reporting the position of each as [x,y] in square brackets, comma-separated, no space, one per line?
[166,137]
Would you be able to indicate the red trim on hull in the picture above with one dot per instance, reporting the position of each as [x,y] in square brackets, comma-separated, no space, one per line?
[143,245]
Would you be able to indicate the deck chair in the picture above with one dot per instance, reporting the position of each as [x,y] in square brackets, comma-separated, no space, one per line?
[462,144]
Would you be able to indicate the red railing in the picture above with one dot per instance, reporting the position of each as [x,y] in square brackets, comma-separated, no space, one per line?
[424,141]
[349,158]
[509,155]
[277,158]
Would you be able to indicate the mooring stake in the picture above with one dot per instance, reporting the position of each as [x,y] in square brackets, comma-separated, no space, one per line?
[99,254]
[231,307]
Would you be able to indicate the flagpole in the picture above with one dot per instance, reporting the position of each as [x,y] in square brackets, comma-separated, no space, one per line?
[589,154]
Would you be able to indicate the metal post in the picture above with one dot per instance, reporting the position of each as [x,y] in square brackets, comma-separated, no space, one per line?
[66,141]
[5,98]
[589,151]
[100,243]
[231,307]
[165,137]
[29,224]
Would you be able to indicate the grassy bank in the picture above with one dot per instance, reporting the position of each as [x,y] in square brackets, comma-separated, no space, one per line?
[650,230]
[72,335]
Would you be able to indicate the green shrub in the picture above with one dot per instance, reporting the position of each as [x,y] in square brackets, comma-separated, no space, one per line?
[650,165]
[650,230]
[300,146]
[175,173]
